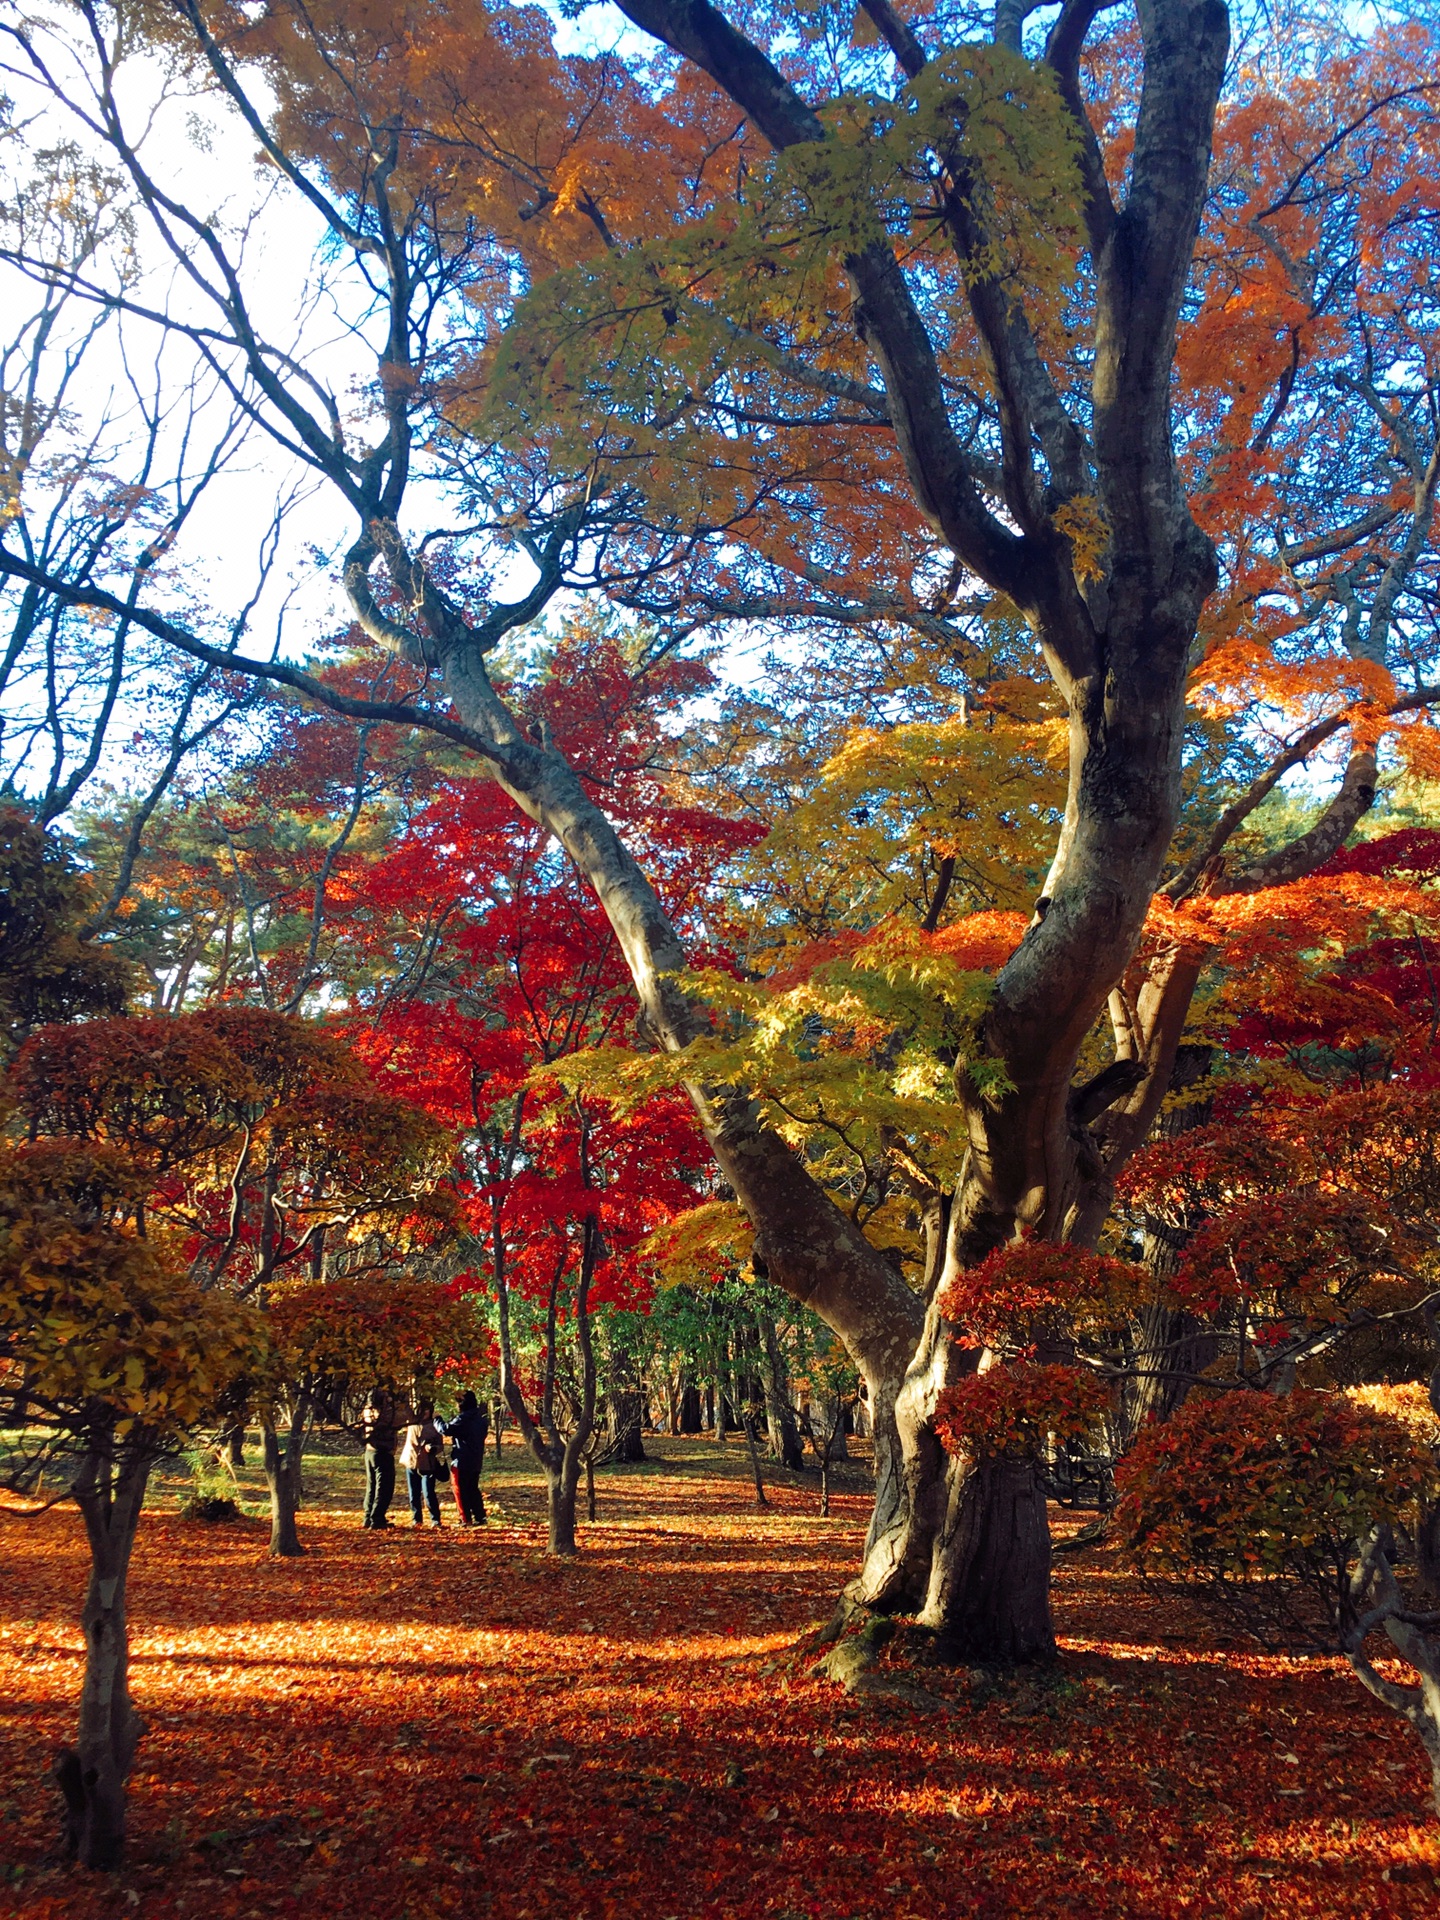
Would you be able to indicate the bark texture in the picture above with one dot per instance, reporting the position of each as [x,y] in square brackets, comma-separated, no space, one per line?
[92,1775]
[283,1467]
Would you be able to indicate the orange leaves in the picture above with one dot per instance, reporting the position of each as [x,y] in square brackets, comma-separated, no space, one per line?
[1297,1256]
[1244,1484]
[248,1133]
[1245,671]
[982,941]
[368,1331]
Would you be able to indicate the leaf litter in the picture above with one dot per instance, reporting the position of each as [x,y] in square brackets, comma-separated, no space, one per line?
[416,1725]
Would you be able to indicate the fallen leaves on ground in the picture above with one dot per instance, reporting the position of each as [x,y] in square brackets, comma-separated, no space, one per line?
[414,1725]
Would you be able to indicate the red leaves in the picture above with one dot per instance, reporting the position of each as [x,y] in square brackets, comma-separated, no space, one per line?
[1007,1299]
[1019,1409]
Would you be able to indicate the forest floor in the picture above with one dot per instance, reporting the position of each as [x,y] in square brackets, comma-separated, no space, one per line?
[413,1725]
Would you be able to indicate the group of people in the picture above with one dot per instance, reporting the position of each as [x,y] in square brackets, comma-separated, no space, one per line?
[417,1443]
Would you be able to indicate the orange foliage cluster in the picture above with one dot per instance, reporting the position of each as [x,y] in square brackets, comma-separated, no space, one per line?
[440,1724]
[1229,1485]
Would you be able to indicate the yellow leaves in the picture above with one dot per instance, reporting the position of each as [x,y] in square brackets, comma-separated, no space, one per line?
[377,1329]
[982,788]
[1008,130]
[699,1247]
[1083,525]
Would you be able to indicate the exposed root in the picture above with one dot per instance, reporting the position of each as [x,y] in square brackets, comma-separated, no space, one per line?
[850,1663]
[1090,1535]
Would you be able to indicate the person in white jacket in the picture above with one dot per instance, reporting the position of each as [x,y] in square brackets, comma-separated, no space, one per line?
[422,1454]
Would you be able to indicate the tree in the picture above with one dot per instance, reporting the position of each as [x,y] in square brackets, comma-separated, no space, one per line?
[46,972]
[266,1150]
[882,311]
[110,1354]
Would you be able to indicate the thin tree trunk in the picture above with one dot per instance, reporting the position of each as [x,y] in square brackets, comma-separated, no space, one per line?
[785,1443]
[589,1488]
[749,1425]
[282,1476]
[93,1773]
[560,1460]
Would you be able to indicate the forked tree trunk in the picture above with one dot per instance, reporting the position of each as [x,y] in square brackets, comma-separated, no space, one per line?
[92,1774]
[963,1546]
[283,1477]
[562,1484]
[560,1458]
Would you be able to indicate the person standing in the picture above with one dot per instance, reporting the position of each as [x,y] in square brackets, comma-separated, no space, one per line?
[377,1431]
[422,1455]
[468,1430]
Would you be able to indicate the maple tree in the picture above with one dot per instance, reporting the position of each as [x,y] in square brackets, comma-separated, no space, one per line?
[1048,323]
[110,1351]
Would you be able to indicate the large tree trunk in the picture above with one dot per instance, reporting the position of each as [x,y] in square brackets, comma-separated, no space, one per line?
[963,1546]
[93,1773]
[627,1411]
[282,1476]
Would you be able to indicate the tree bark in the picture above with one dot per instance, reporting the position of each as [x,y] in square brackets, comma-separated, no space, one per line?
[627,1414]
[760,1496]
[1171,1343]
[93,1773]
[779,1414]
[283,1478]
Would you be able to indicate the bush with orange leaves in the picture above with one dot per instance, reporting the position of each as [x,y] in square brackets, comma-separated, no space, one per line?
[1260,1504]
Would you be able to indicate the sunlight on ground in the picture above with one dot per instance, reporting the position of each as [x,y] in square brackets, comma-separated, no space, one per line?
[415,1725]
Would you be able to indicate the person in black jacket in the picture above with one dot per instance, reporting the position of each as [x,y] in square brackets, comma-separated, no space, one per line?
[468,1430]
[377,1430]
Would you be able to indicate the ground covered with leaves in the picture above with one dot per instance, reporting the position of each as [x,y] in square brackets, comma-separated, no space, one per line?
[412,1725]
